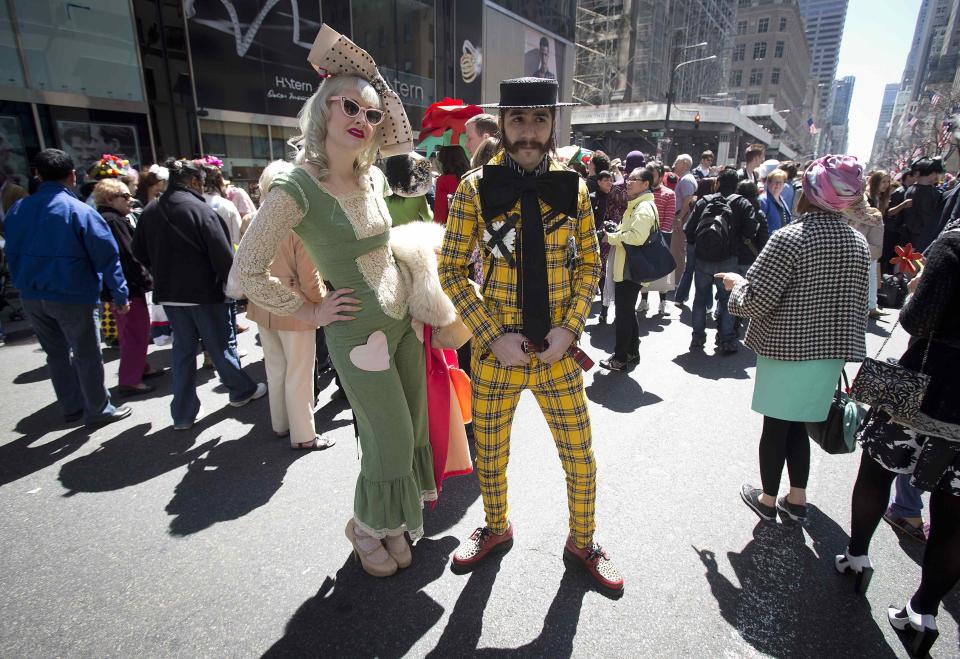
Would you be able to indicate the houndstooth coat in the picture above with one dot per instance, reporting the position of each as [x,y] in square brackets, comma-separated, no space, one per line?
[806,294]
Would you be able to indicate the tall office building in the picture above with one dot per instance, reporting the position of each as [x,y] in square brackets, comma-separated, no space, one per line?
[823,21]
[883,123]
[841,96]
[627,48]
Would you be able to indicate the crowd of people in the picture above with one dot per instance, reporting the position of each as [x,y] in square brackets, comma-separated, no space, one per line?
[371,260]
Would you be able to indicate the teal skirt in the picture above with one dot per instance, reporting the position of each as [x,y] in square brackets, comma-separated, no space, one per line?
[795,391]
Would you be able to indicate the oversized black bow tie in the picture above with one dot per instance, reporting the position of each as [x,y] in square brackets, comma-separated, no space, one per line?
[500,188]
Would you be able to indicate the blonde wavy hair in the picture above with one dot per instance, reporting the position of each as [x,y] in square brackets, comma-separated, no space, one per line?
[108,188]
[313,118]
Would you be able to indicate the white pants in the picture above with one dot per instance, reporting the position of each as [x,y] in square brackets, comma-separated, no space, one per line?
[288,358]
[872,291]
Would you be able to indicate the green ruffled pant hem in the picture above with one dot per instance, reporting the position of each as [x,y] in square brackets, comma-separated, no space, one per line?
[388,508]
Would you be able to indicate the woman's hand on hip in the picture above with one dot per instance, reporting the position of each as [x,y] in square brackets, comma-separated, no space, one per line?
[333,308]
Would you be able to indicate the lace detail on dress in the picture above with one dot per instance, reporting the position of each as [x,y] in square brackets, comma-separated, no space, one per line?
[369,217]
[276,217]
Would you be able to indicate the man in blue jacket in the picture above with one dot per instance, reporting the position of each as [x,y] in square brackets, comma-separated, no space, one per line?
[61,253]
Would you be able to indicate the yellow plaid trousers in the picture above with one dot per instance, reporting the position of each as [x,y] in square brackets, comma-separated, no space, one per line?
[558,389]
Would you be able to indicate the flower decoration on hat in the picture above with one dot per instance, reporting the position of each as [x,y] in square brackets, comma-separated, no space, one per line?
[444,124]
[212,161]
[907,261]
[333,54]
[109,166]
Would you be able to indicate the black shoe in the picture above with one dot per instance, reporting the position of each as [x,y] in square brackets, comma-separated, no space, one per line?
[73,417]
[730,347]
[139,390]
[792,512]
[698,342]
[603,318]
[118,413]
[634,358]
[613,364]
[751,497]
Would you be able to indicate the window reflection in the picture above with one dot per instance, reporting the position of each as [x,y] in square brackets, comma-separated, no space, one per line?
[11,72]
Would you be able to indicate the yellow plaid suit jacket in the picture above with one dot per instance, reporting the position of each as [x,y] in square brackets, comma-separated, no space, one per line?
[568,240]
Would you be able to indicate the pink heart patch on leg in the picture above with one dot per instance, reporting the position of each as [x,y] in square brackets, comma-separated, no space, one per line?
[373,355]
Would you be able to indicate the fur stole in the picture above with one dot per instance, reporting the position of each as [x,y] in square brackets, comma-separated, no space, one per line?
[414,247]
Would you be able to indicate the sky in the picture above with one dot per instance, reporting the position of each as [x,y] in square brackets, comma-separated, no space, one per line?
[876,41]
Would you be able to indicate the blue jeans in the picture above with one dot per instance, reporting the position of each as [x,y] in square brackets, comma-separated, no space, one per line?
[78,380]
[704,284]
[210,323]
[907,500]
[686,279]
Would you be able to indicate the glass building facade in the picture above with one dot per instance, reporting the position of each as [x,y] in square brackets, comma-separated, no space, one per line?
[150,79]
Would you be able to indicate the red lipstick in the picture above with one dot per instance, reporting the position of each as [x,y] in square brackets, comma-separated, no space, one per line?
[356,132]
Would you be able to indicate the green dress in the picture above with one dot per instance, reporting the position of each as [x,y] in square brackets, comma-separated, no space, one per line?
[379,356]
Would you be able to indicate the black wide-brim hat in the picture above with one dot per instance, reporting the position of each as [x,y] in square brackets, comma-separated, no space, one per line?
[528,93]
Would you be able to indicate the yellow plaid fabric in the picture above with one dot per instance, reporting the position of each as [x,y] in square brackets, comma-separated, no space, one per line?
[570,291]
[558,389]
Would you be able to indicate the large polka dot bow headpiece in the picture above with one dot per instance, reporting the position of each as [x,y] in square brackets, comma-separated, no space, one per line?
[334,54]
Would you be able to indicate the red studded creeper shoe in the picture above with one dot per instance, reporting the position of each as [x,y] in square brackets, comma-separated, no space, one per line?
[480,544]
[597,564]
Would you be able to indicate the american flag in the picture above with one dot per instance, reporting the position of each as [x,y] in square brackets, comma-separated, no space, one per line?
[935,100]
[912,121]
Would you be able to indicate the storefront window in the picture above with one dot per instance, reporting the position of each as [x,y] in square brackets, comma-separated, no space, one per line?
[279,136]
[244,148]
[67,48]
[400,36]
[18,141]
[11,72]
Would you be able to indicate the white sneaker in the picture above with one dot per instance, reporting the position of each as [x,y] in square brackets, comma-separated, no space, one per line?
[258,393]
[163,340]
[643,308]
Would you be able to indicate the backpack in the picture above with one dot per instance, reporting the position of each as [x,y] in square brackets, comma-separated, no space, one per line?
[713,230]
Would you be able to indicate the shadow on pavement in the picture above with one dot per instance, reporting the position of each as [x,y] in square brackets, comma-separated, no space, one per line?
[461,636]
[879,327]
[619,392]
[356,615]
[35,375]
[654,323]
[790,595]
[602,337]
[131,458]
[717,367]
[21,457]
[232,479]
[456,497]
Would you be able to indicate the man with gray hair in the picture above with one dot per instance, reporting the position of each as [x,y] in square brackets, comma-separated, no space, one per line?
[686,192]
[477,128]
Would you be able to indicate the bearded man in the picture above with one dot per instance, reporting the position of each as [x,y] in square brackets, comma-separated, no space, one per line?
[533,221]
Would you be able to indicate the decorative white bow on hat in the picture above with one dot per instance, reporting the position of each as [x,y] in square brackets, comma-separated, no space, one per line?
[334,54]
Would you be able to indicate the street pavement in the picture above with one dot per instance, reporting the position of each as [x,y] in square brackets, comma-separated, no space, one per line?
[134,540]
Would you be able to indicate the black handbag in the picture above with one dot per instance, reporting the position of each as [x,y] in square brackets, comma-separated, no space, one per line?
[892,291]
[650,261]
[896,390]
[836,434]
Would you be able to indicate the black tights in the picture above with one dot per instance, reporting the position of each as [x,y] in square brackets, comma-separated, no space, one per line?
[941,559]
[783,441]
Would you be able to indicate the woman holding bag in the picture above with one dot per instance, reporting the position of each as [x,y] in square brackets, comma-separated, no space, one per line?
[806,298]
[640,219]
[931,316]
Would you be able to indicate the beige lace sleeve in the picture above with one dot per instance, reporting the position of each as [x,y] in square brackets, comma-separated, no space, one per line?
[276,217]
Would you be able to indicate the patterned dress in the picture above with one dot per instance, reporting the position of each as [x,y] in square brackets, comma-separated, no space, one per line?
[379,356]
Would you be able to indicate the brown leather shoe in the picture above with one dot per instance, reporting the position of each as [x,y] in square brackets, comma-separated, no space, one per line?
[597,564]
[480,544]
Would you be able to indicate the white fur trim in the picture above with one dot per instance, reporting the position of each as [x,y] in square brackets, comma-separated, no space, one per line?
[413,246]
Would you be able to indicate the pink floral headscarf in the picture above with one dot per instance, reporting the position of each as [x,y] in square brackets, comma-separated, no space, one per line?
[834,182]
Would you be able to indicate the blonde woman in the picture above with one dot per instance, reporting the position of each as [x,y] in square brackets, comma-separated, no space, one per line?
[334,201]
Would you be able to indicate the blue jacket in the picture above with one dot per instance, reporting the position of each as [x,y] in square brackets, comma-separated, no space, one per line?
[62,250]
[778,215]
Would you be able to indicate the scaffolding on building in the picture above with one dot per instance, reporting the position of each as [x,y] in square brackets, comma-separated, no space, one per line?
[601,29]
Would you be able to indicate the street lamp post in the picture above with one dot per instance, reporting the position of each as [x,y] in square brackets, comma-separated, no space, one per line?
[673,73]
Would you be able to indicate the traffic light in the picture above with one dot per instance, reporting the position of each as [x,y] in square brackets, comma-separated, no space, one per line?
[696,120]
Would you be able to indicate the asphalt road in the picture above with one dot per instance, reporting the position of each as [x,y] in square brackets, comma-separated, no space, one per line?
[135,540]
